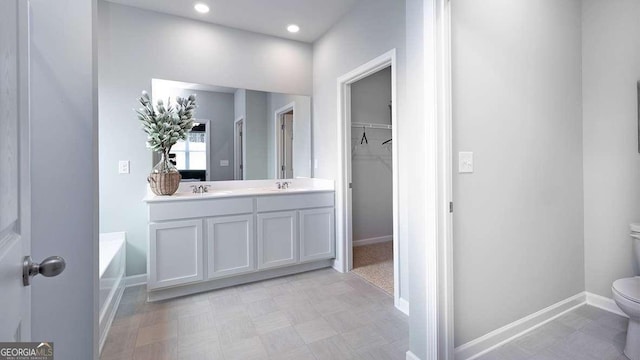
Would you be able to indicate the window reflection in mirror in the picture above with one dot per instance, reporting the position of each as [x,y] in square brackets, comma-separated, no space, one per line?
[190,155]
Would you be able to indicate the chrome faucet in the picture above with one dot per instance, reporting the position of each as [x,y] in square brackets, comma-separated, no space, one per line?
[200,189]
[283,185]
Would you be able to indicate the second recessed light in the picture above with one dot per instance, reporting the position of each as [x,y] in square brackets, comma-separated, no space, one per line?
[293,28]
[201,8]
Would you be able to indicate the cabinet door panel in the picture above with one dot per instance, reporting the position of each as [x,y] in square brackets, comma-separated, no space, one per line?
[317,234]
[230,245]
[175,253]
[277,239]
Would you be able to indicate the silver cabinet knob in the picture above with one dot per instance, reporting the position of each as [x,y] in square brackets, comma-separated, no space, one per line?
[49,267]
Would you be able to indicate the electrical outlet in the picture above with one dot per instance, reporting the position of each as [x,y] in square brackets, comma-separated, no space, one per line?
[224,162]
[123,167]
[465,162]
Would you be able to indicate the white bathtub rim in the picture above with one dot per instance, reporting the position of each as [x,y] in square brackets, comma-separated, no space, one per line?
[110,244]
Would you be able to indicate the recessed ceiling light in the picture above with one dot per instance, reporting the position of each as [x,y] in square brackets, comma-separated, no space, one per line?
[201,8]
[293,28]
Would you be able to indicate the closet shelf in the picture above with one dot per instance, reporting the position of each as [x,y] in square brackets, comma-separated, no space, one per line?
[371,126]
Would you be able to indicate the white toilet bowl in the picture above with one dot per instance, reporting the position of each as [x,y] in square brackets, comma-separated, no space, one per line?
[626,293]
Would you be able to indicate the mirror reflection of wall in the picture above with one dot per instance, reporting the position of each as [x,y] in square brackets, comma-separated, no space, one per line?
[242,134]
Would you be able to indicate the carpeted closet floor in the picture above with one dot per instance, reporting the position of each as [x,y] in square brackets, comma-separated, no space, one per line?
[374,263]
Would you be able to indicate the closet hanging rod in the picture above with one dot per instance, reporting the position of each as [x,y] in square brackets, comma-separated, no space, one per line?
[371,126]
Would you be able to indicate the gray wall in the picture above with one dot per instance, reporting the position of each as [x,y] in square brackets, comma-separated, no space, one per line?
[370,29]
[611,69]
[518,224]
[64,173]
[132,51]
[301,131]
[256,136]
[372,171]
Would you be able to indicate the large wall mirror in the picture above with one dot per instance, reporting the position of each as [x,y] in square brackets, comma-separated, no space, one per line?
[241,134]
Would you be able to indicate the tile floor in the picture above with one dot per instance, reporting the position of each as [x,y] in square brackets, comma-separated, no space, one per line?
[316,315]
[586,333]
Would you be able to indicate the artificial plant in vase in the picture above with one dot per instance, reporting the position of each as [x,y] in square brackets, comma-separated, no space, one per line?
[165,126]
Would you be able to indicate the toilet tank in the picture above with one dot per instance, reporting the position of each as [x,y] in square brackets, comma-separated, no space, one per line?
[635,235]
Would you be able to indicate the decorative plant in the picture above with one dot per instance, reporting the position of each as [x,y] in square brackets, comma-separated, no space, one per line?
[166,125]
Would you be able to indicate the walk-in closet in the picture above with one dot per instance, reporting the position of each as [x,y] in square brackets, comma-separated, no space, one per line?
[372,179]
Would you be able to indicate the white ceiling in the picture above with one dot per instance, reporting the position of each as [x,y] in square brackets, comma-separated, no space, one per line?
[269,17]
[170,84]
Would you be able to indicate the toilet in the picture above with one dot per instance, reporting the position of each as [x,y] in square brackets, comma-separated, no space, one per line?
[626,293]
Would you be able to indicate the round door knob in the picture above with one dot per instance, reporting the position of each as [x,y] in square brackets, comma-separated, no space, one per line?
[49,267]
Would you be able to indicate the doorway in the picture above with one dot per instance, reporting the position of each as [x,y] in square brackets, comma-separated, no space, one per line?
[239,147]
[284,122]
[372,179]
[344,192]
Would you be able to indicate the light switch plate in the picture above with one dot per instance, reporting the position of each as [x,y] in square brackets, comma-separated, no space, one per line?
[123,167]
[224,162]
[315,163]
[465,162]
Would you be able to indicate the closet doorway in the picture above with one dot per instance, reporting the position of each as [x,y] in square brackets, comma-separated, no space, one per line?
[372,179]
[367,210]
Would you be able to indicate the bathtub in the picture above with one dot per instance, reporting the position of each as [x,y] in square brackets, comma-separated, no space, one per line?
[112,265]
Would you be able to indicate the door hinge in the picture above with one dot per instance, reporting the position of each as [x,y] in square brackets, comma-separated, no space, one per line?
[451,206]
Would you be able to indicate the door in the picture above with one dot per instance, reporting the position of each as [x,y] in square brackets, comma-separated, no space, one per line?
[175,253]
[15,241]
[239,150]
[317,234]
[285,146]
[230,245]
[277,239]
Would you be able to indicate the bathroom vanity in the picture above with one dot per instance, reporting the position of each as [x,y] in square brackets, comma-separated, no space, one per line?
[211,235]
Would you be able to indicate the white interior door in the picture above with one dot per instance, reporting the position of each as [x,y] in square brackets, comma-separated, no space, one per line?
[15,242]
[239,150]
[284,150]
[287,136]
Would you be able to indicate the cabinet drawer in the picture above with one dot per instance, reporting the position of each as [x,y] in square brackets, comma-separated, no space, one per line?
[297,201]
[199,208]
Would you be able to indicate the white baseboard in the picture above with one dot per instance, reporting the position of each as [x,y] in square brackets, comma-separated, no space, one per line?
[375,240]
[136,280]
[604,303]
[402,305]
[503,335]
[412,356]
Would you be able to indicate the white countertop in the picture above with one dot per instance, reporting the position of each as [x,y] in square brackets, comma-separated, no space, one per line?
[227,189]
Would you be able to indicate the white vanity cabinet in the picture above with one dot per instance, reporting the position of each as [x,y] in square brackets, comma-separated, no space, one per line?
[203,243]
[317,234]
[230,249]
[277,239]
[175,253]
